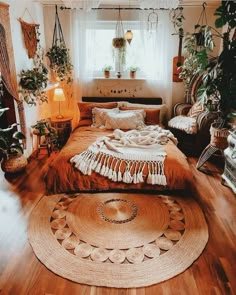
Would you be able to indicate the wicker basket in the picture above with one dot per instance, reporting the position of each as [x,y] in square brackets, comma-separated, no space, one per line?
[14,164]
[219,136]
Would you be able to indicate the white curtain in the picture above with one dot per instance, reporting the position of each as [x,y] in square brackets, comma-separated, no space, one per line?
[82,34]
[159,49]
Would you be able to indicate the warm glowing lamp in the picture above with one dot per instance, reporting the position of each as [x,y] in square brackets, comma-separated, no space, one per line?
[59,96]
[129,36]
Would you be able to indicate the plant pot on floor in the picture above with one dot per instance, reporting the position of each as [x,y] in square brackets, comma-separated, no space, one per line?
[219,136]
[14,163]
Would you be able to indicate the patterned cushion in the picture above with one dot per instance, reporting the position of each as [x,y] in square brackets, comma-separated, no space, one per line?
[125,120]
[99,116]
[196,109]
[184,123]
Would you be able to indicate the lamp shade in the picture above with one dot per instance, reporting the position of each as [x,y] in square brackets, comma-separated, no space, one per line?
[129,36]
[59,95]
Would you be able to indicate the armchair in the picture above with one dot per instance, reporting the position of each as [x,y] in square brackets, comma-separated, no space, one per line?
[191,121]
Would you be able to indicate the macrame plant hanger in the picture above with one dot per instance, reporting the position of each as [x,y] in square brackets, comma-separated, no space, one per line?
[199,35]
[57,33]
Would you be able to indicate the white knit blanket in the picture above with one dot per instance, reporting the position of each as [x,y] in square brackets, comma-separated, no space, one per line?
[123,156]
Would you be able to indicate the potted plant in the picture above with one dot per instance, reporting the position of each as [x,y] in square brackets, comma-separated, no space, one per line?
[220,77]
[196,56]
[11,151]
[32,85]
[133,70]
[106,69]
[60,62]
[43,127]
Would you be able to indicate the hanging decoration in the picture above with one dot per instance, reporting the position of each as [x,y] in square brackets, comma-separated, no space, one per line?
[152,22]
[58,54]
[119,43]
[129,33]
[30,37]
[201,26]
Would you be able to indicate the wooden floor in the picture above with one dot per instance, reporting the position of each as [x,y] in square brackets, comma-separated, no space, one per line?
[21,273]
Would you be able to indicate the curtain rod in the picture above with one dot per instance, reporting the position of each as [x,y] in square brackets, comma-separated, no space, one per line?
[121,8]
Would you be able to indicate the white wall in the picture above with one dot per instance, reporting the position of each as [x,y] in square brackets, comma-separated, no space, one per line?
[30,12]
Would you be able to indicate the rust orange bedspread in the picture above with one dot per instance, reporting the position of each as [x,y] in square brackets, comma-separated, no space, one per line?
[63,177]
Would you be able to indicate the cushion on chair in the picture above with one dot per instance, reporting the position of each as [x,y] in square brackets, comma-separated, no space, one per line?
[196,109]
[184,123]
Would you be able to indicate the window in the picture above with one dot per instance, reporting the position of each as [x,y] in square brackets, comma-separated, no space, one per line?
[104,53]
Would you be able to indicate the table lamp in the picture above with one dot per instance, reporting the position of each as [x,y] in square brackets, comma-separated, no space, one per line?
[59,96]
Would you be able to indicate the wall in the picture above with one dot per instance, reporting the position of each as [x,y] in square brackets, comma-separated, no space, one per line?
[32,13]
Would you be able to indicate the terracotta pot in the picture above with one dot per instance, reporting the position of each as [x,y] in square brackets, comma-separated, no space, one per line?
[132,74]
[107,74]
[14,164]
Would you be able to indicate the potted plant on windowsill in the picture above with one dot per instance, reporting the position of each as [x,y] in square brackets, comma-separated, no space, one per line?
[107,69]
[220,78]
[11,151]
[133,70]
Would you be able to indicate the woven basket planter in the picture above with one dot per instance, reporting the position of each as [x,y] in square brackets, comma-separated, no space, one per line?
[14,164]
[219,136]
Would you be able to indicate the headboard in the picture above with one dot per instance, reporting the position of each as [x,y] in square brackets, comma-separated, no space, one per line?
[141,100]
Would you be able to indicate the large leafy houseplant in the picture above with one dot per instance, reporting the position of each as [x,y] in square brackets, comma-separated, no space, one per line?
[11,149]
[220,78]
[196,53]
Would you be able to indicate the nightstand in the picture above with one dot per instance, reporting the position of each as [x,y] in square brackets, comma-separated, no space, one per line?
[63,127]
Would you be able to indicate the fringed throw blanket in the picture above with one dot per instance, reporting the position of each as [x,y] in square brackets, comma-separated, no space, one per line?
[124,156]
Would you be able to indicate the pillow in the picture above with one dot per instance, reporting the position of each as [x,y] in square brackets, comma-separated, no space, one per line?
[152,115]
[184,123]
[99,114]
[86,110]
[161,107]
[196,109]
[124,120]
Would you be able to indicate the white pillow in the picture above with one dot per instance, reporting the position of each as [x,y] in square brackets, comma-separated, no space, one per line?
[125,120]
[99,116]
[184,123]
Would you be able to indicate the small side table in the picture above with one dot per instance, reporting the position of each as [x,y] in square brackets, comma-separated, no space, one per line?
[63,127]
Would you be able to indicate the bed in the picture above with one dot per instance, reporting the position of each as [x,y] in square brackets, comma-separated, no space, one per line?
[62,175]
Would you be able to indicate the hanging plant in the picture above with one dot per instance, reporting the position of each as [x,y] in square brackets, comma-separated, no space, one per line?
[34,81]
[60,62]
[58,54]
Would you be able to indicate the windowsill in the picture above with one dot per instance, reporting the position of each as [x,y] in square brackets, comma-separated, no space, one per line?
[122,78]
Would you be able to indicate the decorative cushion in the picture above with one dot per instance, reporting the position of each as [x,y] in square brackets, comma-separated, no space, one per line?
[86,110]
[124,120]
[152,115]
[99,114]
[196,109]
[184,123]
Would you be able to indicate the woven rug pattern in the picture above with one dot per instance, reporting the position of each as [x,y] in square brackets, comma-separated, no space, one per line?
[117,239]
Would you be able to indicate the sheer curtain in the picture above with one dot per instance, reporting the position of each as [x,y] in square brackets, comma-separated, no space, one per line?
[159,49]
[83,35]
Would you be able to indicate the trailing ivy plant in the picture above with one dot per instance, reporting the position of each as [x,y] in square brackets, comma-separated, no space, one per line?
[60,62]
[34,81]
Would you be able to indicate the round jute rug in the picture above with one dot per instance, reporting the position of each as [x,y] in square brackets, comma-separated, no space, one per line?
[117,239]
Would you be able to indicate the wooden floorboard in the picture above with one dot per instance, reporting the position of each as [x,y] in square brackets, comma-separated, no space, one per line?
[21,273]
